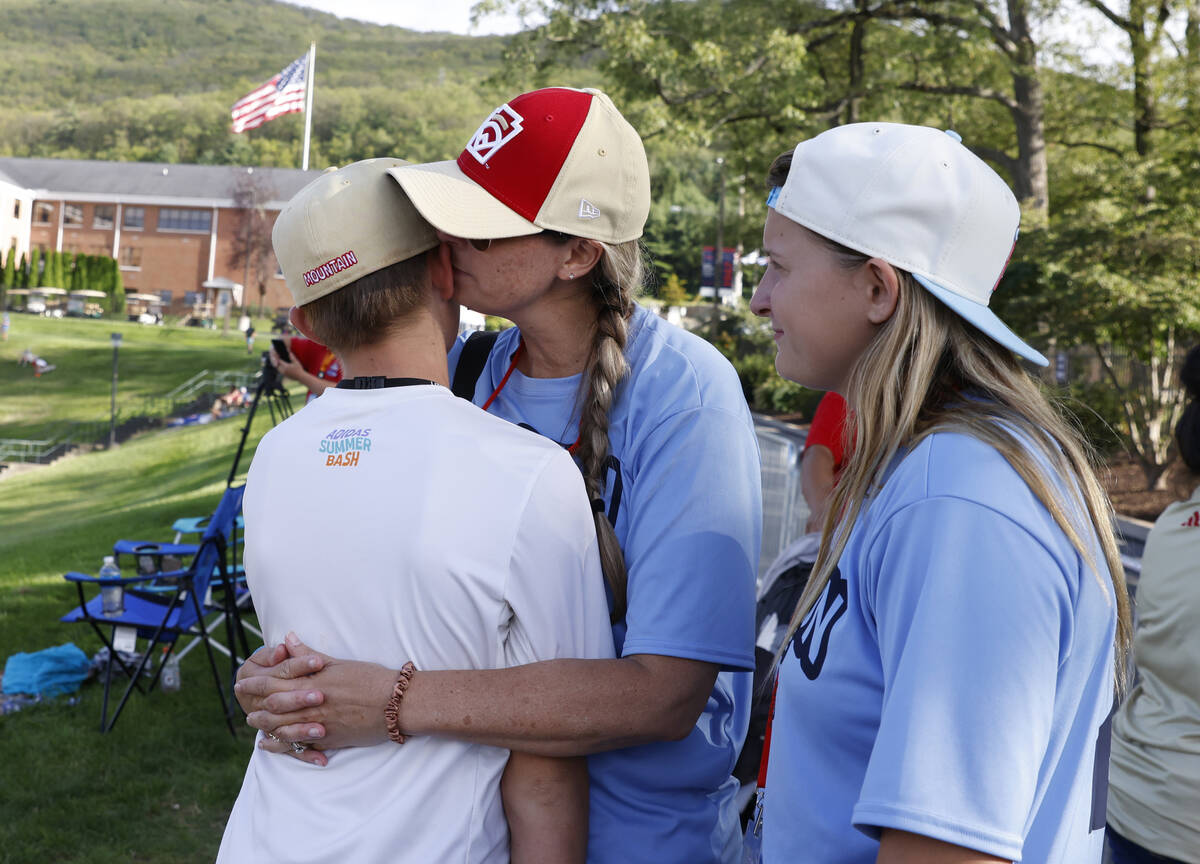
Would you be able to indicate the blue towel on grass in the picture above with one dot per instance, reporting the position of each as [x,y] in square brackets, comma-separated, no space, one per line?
[48,672]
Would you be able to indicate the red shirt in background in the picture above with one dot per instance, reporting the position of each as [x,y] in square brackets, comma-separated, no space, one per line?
[828,428]
[317,360]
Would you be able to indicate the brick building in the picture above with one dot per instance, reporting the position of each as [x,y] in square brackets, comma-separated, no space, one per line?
[171,227]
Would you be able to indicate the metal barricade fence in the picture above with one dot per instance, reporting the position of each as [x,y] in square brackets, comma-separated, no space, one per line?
[784,510]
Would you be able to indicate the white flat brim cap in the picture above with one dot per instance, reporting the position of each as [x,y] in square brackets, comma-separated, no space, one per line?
[917,198]
[984,319]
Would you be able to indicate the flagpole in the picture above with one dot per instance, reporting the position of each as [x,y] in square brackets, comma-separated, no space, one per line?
[310,82]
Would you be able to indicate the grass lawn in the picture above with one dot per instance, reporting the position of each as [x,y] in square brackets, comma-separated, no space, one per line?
[158,788]
[152,361]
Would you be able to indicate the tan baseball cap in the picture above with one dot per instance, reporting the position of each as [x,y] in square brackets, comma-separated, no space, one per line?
[344,225]
[555,159]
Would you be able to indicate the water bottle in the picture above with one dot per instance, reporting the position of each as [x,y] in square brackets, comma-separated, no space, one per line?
[170,675]
[112,597]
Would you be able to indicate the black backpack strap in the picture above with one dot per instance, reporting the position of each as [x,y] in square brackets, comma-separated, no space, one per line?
[471,362]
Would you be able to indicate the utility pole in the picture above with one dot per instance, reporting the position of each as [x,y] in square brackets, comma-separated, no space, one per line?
[719,256]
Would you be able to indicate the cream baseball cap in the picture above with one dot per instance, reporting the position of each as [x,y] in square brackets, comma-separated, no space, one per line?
[917,198]
[555,159]
[344,225]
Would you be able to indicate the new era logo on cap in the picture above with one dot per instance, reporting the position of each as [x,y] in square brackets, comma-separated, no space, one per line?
[501,126]
[588,210]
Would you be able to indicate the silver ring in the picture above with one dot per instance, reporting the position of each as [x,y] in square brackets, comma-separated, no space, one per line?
[272,736]
[297,747]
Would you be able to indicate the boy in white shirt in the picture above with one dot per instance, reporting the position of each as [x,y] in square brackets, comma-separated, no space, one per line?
[430,531]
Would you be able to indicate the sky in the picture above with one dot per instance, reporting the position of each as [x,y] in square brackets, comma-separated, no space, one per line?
[1075,23]
[453,16]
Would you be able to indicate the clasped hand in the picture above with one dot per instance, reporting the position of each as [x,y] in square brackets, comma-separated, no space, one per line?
[300,695]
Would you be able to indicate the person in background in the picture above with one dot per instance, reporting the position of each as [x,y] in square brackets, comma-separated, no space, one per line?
[228,402]
[508,575]
[311,364]
[1154,791]
[4,325]
[824,455]
[541,215]
[250,339]
[945,685]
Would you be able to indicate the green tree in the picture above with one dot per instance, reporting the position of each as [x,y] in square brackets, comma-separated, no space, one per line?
[23,271]
[56,267]
[672,291]
[1118,274]
[74,271]
[9,279]
[117,295]
[35,268]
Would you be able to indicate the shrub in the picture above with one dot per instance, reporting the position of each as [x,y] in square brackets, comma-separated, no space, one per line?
[1096,409]
[752,371]
[780,396]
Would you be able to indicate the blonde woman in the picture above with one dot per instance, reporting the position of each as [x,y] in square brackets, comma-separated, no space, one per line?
[945,688]
[541,214]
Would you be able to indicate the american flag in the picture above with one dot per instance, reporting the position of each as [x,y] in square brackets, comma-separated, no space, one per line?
[283,94]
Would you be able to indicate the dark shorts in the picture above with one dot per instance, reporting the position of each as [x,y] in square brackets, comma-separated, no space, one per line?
[1125,851]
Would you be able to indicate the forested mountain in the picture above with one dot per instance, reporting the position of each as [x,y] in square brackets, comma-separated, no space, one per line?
[154,80]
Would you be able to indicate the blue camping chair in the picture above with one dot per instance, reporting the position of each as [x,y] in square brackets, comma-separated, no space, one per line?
[153,558]
[164,606]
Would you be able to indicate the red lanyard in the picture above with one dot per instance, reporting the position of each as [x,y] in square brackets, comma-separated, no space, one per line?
[762,766]
[511,366]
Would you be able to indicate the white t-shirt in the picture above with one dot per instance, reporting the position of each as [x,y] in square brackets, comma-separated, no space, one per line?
[406,524]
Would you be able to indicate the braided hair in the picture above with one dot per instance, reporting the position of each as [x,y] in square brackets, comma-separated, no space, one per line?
[615,281]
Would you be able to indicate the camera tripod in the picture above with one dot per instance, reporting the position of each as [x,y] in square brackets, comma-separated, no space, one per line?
[279,405]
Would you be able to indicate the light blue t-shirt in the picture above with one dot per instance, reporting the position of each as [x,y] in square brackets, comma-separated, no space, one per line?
[954,680]
[684,496]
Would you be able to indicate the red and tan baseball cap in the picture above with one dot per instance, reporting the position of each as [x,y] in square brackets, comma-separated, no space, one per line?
[344,225]
[556,159]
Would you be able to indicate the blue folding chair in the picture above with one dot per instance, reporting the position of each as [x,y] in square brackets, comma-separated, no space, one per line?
[164,606]
[152,558]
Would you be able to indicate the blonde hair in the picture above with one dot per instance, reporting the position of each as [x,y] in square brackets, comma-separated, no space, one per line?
[615,281]
[909,383]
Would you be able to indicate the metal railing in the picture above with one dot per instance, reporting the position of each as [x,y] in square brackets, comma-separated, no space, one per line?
[22,449]
[72,434]
[784,510]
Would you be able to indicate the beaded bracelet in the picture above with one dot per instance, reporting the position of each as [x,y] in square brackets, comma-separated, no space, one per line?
[391,714]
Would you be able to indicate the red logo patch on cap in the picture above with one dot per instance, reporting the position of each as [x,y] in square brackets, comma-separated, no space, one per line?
[519,151]
[334,265]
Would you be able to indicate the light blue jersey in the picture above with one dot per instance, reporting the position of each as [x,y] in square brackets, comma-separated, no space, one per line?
[683,494]
[953,681]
